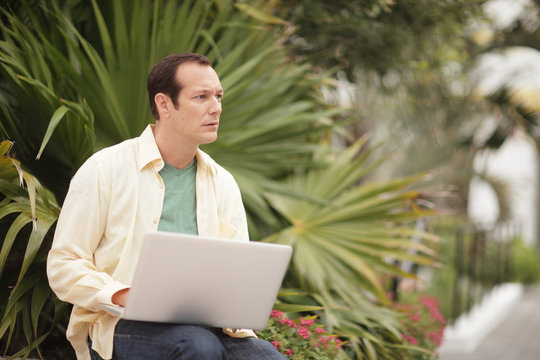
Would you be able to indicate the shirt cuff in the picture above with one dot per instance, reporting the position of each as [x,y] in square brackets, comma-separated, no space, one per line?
[105,295]
[239,333]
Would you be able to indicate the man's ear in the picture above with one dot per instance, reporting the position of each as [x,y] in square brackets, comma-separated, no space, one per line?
[162,105]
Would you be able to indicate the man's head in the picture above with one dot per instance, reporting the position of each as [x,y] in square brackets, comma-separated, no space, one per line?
[162,77]
[187,106]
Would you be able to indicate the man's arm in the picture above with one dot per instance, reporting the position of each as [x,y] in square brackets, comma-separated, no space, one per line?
[71,269]
[234,207]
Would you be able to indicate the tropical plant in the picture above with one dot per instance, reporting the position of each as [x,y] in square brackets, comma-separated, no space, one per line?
[31,211]
[103,92]
[77,81]
[343,238]
[344,231]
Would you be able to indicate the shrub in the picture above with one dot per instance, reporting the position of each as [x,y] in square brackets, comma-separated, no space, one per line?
[524,262]
[423,325]
[302,338]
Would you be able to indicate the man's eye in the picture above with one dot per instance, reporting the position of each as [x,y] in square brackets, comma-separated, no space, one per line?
[219,97]
[201,96]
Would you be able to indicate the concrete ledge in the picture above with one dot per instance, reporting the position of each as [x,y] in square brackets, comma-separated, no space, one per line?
[469,329]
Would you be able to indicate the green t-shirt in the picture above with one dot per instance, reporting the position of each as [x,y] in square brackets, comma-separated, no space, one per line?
[179,213]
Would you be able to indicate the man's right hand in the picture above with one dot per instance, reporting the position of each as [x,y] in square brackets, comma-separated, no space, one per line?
[120,297]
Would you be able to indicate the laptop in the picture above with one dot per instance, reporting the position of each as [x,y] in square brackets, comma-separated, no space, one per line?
[206,281]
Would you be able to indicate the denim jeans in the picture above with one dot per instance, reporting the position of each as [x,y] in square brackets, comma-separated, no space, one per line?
[146,340]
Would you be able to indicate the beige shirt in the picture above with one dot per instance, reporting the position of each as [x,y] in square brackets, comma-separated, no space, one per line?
[113,200]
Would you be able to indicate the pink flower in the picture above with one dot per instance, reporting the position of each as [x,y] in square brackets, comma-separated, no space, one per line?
[414,317]
[435,337]
[436,315]
[276,314]
[410,339]
[276,344]
[287,352]
[306,322]
[432,304]
[288,322]
[303,332]
[319,330]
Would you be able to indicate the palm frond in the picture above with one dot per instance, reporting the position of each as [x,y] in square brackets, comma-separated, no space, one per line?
[354,230]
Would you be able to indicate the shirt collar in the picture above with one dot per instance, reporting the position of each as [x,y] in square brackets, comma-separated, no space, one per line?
[148,150]
[149,153]
[205,162]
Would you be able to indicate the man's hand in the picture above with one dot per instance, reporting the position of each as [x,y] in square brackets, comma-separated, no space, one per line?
[120,297]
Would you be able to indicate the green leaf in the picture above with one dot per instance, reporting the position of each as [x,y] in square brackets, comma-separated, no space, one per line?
[31,190]
[289,308]
[20,221]
[16,299]
[5,146]
[8,168]
[259,15]
[40,295]
[34,243]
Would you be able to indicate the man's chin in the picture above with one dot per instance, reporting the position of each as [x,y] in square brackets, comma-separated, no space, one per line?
[208,139]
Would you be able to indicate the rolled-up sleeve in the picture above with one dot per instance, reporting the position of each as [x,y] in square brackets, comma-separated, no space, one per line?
[71,268]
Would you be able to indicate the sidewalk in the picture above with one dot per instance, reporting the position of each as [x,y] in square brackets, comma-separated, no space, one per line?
[516,336]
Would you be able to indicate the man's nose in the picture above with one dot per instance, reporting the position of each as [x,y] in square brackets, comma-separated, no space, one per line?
[215,109]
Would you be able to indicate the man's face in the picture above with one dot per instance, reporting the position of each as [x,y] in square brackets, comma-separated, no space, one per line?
[196,117]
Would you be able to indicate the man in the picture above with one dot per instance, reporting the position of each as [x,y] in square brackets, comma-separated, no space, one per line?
[160,180]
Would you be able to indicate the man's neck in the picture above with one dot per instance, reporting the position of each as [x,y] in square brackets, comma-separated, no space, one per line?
[175,152]
[178,160]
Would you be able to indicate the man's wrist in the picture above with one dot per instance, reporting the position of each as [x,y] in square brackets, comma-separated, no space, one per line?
[120,297]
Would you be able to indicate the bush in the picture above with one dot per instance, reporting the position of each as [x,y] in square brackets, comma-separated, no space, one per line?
[302,338]
[524,262]
[423,325]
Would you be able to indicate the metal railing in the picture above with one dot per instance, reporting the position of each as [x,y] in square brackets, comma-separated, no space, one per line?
[481,260]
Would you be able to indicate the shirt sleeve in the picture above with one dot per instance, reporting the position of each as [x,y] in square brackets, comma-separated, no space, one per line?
[71,270]
[234,208]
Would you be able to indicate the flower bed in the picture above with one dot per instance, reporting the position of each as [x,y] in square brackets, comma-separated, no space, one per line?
[423,325]
[302,338]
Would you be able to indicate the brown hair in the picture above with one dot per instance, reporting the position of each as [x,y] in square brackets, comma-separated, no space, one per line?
[162,77]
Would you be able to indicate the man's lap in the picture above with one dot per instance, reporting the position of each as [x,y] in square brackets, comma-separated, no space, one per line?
[146,340]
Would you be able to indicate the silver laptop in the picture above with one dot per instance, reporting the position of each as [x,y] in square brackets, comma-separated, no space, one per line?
[189,279]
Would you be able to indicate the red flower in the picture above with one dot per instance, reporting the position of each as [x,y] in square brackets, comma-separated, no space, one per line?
[288,322]
[410,339]
[306,322]
[276,314]
[304,332]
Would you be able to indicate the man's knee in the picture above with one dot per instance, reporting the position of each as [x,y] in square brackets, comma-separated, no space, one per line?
[200,345]
[266,348]
[140,340]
